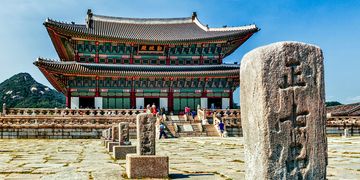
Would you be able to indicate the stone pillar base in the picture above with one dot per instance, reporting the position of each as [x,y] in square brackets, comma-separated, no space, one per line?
[111,145]
[106,142]
[120,152]
[147,166]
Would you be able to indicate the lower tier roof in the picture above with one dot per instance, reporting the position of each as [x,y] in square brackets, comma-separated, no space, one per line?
[126,70]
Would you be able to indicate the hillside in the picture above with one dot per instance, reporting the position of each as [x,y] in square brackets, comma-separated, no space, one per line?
[21,90]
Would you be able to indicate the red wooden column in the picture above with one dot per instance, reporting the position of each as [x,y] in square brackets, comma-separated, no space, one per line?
[231,99]
[131,54]
[68,98]
[97,52]
[168,55]
[97,93]
[132,94]
[170,97]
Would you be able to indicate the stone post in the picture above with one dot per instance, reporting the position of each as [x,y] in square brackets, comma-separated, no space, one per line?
[124,133]
[124,146]
[4,109]
[115,133]
[145,129]
[145,164]
[113,140]
[283,112]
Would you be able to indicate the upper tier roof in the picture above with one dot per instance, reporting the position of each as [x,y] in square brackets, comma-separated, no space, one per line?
[344,110]
[92,69]
[151,29]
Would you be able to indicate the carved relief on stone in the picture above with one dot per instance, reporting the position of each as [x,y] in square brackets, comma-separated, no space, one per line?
[115,133]
[124,133]
[283,112]
[145,134]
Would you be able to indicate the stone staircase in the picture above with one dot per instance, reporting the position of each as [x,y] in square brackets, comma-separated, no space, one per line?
[211,130]
[234,131]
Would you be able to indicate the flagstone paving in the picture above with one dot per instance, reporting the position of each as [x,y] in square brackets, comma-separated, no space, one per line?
[190,158]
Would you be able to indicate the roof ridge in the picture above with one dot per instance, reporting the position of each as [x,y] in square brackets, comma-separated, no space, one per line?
[129,20]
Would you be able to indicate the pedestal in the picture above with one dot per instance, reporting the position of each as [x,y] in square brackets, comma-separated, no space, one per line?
[106,143]
[120,152]
[111,145]
[147,166]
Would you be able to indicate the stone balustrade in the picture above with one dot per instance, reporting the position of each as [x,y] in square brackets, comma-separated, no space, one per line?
[71,112]
[347,121]
[66,118]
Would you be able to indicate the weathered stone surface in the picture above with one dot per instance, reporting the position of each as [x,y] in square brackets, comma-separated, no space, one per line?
[283,112]
[145,127]
[142,166]
[107,143]
[203,158]
[115,133]
[124,133]
[120,152]
[111,145]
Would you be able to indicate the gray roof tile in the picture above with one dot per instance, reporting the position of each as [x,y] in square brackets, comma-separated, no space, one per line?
[151,29]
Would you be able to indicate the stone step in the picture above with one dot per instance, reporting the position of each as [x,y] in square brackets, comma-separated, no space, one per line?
[210,130]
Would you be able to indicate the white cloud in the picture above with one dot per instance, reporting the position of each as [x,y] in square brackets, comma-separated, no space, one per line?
[353,99]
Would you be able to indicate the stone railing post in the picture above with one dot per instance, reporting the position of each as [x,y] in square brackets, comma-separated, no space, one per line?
[141,165]
[4,109]
[283,112]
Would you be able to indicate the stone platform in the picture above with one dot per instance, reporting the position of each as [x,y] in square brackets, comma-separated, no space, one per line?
[190,158]
[120,152]
[149,166]
[110,146]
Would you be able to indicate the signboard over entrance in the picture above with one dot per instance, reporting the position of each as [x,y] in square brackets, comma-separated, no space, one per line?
[151,49]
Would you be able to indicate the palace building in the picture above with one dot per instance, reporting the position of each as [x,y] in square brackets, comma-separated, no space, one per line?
[122,63]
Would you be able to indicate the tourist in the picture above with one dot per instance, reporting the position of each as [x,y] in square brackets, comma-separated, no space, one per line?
[153,109]
[222,129]
[162,111]
[187,110]
[162,130]
[193,113]
[148,109]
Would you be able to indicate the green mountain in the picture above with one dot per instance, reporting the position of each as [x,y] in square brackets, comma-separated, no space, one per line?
[22,91]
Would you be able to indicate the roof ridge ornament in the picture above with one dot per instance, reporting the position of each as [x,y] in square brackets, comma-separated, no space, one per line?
[89,21]
[194,15]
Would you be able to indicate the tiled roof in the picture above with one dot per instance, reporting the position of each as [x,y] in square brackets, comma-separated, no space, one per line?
[158,30]
[73,67]
[345,110]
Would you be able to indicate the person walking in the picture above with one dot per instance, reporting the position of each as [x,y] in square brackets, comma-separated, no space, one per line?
[162,130]
[222,128]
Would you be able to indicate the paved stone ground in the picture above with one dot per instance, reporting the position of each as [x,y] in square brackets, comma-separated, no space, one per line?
[190,158]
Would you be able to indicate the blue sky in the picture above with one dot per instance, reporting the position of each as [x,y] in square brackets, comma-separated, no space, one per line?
[332,25]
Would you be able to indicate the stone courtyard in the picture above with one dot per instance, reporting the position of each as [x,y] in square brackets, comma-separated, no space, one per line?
[190,158]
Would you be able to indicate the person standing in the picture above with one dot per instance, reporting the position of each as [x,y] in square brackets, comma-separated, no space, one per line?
[162,130]
[153,109]
[222,128]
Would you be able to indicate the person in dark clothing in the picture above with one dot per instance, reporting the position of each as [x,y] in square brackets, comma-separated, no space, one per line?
[162,131]
[222,128]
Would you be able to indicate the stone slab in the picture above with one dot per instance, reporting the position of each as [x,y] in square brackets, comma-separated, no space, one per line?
[120,152]
[188,128]
[111,145]
[283,112]
[147,166]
